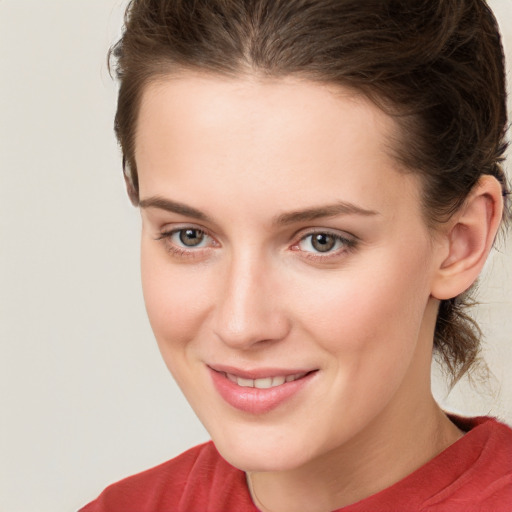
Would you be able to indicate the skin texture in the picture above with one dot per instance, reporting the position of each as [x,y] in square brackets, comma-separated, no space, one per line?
[239,156]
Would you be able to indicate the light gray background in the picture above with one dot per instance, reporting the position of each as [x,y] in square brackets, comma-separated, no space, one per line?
[84,396]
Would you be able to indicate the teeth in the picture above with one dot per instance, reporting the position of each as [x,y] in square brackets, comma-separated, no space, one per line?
[278,381]
[265,383]
[245,383]
[232,378]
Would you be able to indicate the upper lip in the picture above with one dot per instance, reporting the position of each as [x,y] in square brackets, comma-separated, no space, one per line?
[259,373]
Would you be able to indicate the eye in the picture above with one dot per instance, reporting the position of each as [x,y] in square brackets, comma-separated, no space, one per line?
[324,242]
[186,241]
[189,237]
[321,242]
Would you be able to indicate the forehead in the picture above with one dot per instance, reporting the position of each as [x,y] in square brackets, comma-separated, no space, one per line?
[272,108]
[284,138]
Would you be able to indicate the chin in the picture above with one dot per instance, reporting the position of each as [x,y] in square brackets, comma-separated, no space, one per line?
[262,451]
[251,460]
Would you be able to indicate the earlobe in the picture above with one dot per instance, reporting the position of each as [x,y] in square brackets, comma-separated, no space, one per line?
[469,237]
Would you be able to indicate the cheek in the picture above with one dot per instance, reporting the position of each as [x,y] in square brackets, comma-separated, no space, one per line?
[375,305]
[367,321]
[175,304]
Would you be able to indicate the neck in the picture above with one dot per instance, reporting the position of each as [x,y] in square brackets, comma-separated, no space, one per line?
[408,432]
[380,456]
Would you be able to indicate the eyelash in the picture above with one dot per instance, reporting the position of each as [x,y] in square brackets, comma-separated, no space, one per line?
[348,244]
[176,250]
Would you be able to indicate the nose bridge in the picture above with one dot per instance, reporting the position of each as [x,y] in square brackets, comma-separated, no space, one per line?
[247,311]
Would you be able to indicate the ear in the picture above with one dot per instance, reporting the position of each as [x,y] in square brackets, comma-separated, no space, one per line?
[468,239]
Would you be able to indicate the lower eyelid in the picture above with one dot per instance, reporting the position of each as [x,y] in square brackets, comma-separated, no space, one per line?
[182,251]
[347,245]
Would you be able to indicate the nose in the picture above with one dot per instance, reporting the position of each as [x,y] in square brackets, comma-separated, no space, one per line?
[249,311]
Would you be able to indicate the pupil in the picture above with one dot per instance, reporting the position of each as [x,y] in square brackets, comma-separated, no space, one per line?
[191,237]
[322,242]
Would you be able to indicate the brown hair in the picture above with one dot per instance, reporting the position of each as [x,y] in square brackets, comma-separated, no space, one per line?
[436,65]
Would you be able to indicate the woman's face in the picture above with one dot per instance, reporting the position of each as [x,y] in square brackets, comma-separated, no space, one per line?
[286,266]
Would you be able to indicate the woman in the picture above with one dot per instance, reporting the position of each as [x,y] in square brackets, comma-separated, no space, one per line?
[320,185]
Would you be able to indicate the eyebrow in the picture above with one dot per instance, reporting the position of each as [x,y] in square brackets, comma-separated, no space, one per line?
[332,210]
[306,215]
[173,207]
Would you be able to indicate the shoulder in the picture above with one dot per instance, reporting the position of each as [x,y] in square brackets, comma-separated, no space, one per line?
[478,468]
[475,473]
[486,446]
[483,458]
[196,478]
[472,475]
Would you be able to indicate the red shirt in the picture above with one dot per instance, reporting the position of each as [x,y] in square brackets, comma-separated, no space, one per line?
[473,474]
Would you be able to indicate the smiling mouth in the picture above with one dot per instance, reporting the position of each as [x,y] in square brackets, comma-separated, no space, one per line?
[259,391]
[263,383]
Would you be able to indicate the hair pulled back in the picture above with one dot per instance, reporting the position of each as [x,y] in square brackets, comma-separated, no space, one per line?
[437,66]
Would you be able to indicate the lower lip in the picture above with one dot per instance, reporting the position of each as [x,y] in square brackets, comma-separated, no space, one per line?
[255,400]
